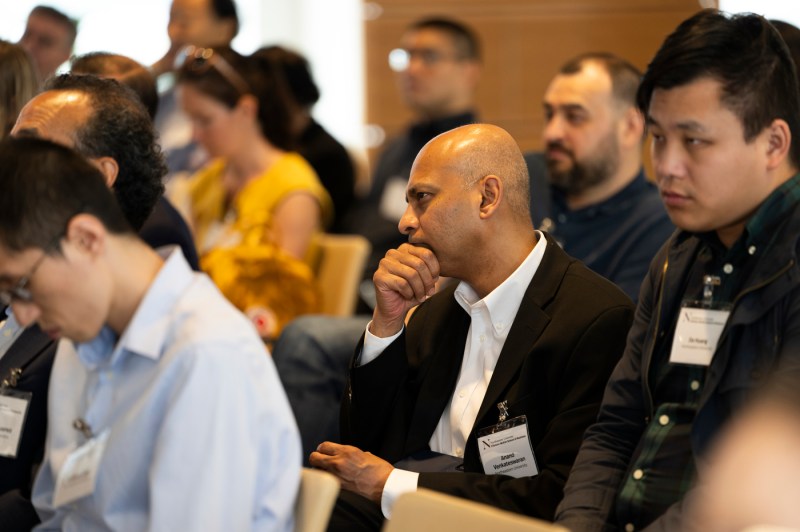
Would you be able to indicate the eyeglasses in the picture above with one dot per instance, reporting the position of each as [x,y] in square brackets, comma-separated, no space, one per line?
[400,58]
[20,291]
[200,60]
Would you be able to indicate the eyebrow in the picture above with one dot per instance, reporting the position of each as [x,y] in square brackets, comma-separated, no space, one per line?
[413,189]
[565,106]
[687,125]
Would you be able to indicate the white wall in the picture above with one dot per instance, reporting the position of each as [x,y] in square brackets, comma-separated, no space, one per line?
[785,10]
[328,32]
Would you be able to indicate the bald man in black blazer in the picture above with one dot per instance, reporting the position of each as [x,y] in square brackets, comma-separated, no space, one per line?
[468,219]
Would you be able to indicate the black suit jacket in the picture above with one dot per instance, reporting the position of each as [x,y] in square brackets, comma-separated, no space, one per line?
[33,351]
[567,337]
[166,227]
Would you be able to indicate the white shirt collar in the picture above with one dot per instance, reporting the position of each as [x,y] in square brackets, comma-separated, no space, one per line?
[146,331]
[503,302]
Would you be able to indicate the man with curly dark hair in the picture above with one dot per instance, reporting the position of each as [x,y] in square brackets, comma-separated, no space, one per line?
[106,122]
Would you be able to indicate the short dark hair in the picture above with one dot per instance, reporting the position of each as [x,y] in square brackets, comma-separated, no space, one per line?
[263,82]
[464,38]
[44,185]
[295,70]
[69,23]
[125,70]
[791,36]
[624,76]
[746,55]
[226,9]
[119,127]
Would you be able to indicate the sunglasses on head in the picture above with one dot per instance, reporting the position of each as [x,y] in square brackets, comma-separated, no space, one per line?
[200,60]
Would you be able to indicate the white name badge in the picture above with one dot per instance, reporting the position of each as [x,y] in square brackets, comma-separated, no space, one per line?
[696,335]
[506,449]
[13,409]
[77,476]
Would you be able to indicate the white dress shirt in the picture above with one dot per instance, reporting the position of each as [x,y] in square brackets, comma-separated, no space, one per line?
[492,318]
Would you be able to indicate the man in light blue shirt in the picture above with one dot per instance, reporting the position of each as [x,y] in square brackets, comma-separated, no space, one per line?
[165,411]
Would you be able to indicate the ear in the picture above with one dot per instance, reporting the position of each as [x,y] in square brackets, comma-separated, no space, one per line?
[87,234]
[472,73]
[108,167]
[631,127]
[491,189]
[227,30]
[248,105]
[779,142]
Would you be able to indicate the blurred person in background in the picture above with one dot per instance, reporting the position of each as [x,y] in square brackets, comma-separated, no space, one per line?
[49,37]
[204,23]
[752,470]
[324,153]
[257,206]
[18,83]
[123,69]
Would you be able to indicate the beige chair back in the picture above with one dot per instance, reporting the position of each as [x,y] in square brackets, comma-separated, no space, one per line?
[315,500]
[341,266]
[430,511]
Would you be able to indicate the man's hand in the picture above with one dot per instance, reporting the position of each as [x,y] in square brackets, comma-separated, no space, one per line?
[405,278]
[363,473]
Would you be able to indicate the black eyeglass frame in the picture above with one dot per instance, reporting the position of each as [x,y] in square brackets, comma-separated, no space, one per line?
[20,290]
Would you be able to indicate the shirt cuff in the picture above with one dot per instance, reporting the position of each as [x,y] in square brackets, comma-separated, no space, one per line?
[374,346]
[400,481]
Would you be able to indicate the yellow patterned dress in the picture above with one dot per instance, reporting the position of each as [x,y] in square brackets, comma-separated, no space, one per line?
[235,243]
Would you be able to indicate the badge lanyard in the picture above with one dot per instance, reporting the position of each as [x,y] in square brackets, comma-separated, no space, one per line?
[505,448]
[699,327]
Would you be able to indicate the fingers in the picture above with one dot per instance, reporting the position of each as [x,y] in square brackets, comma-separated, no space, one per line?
[411,271]
[329,448]
[358,471]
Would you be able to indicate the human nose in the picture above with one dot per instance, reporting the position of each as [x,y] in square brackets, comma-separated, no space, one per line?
[667,159]
[408,222]
[553,128]
[25,312]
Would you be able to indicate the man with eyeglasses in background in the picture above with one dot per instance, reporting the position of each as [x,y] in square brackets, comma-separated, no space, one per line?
[438,67]
[201,23]
[165,411]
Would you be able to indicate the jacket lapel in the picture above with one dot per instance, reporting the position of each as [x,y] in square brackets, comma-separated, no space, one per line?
[30,344]
[530,321]
[440,371]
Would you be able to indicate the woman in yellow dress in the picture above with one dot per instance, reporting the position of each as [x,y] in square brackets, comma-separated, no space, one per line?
[256,207]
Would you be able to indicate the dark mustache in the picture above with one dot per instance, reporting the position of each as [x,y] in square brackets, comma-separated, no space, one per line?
[555,145]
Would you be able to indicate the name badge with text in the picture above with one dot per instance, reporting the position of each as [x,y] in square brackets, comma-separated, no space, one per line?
[13,409]
[506,449]
[77,476]
[697,333]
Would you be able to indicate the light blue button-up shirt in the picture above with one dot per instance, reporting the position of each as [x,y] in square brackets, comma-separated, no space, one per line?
[201,435]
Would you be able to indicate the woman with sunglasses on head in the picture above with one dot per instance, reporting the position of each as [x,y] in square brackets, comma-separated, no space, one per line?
[256,207]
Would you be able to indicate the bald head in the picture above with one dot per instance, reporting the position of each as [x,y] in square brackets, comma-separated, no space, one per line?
[467,187]
[478,150]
